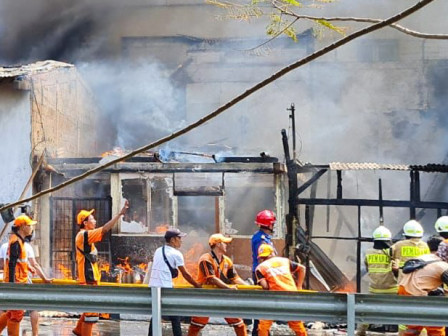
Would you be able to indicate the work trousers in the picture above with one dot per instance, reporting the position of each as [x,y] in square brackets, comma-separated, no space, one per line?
[297,326]
[11,319]
[255,324]
[175,324]
[197,323]
[85,324]
[412,330]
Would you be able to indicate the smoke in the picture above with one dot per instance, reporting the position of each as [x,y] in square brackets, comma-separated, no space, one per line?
[47,29]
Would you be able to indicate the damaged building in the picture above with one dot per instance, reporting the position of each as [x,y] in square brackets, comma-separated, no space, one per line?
[200,198]
[46,111]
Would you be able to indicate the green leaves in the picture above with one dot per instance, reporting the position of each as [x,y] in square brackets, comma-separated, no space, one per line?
[340,30]
[292,2]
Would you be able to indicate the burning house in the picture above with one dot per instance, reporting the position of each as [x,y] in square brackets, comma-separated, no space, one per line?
[203,197]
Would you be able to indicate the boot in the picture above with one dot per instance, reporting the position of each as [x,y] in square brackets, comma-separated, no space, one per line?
[78,329]
[13,328]
[87,329]
[240,330]
[3,321]
[194,330]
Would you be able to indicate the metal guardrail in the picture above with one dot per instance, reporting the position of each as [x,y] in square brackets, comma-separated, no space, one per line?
[327,307]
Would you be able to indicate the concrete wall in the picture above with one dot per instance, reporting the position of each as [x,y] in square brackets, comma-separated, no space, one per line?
[15,135]
[64,115]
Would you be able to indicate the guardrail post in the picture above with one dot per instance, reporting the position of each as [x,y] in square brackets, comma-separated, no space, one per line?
[350,314]
[156,310]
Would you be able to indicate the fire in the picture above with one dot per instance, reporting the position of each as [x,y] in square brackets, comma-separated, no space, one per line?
[104,266]
[162,228]
[125,265]
[143,267]
[191,258]
[67,273]
[116,151]
[349,287]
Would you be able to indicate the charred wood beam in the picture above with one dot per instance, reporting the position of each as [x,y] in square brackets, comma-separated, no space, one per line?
[370,202]
[268,168]
[339,187]
[200,191]
[308,183]
[292,215]
[414,191]
[334,277]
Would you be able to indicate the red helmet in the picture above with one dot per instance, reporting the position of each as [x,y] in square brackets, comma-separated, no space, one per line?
[266,219]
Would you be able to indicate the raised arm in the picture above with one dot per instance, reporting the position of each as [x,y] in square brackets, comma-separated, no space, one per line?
[110,224]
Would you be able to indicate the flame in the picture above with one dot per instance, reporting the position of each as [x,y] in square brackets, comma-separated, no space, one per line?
[116,151]
[162,228]
[143,267]
[66,273]
[125,265]
[349,287]
[104,266]
[191,258]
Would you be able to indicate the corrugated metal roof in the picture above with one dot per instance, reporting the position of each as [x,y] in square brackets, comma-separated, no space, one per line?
[29,69]
[367,166]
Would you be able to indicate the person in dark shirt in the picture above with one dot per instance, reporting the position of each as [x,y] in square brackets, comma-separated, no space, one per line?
[265,220]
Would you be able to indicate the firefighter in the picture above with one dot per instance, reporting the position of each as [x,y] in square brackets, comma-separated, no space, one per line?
[277,274]
[410,248]
[441,226]
[423,281]
[87,259]
[215,268]
[16,269]
[378,261]
[265,220]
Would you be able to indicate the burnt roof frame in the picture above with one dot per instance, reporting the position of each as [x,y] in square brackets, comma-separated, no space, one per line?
[413,203]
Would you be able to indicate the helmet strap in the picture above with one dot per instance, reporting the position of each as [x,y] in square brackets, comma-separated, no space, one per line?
[270,229]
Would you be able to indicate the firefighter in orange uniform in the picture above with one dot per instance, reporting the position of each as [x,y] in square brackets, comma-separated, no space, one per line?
[277,274]
[16,269]
[87,259]
[217,269]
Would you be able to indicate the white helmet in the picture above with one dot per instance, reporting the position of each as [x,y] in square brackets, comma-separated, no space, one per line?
[413,228]
[441,224]
[382,233]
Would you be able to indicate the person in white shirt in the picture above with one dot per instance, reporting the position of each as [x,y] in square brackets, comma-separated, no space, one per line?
[167,262]
[34,267]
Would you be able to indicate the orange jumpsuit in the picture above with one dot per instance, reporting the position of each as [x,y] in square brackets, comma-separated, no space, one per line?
[208,268]
[420,283]
[278,273]
[416,330]
[88,273]
[15,270]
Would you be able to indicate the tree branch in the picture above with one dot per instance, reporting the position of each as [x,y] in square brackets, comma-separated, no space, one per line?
[235,100]
[398,27]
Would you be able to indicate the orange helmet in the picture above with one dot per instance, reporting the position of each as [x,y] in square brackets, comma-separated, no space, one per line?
[24,220]
[265,219]
[83,215]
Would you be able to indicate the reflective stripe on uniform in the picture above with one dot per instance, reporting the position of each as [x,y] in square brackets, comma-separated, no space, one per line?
[392,290]
[236,323]
[200,325]
[91,319]
[380,270]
